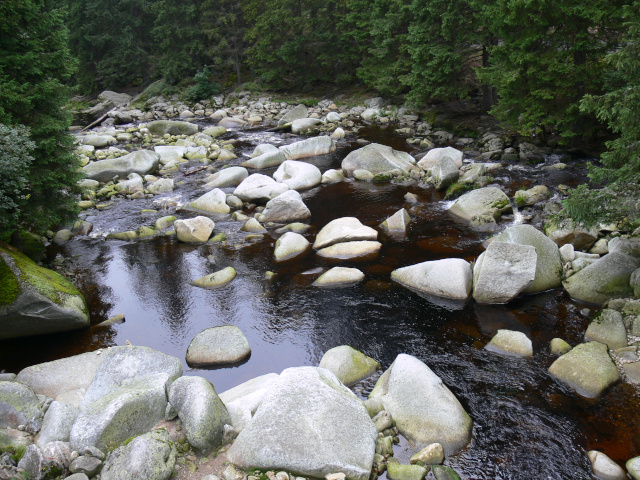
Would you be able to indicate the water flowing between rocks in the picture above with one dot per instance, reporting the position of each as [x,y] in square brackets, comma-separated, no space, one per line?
[526,425]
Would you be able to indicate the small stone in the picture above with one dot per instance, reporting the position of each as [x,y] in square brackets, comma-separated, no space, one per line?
[88,465]
[559,347]
[605,468]
[508,342]
[335,476]
[430,455]
[633,467]
[395,471]
[217,279]
[445,473]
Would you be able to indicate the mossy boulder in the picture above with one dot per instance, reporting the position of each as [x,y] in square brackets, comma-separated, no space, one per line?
[172,127]
[19,406]
[35,300]
[348,364]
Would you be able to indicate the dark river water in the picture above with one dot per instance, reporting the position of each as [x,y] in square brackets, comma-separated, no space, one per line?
[526,425]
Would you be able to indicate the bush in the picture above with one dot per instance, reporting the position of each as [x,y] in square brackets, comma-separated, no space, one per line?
[16,156]
[204,87]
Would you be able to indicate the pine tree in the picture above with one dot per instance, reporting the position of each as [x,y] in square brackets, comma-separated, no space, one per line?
[34,66]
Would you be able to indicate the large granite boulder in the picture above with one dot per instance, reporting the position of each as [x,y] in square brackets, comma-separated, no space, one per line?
[435,155]
[549,263]
[348,364]
[567,231]
[201,411]
[257,187]
[286,207]
[316,426]
[309,148]
[296,113]
[503,271]
[448,278]
[172,127]
[127,397]
[214,201]
[484,201]
[151,456]
[424,409]
[345,229]
[587,369]
[628,246]
[291,246]
[443,173]
[376,159]
[194,230]
[65,380]
[19,406]
[142,162]
[35,300]
[57,423]
[606,278]
[298,175]
[222,345]
[227,177]
[608,328]
[243,400]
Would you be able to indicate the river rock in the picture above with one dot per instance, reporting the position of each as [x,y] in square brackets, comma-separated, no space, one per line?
[141,162]
[295,113]
[65,380]
[444,473]
[628,246]
[549,262]
[606,278]
[449,278]
[97,141]
[430,455]
[316,426]
[580,237]
[503,271]
[608,328]
[118,99]
[348,364]
[57,423]
[86,464]
[286,207]
[559,347]
[35,300]
[19,406]
[397,223]
[298,175]
[397,471]
[309,148]
[151,456]
[127,397]
[587,369]
[231,122]
[435,155]
[604,468]
[194,230]
[262,149]
[172,127]
[217,279]
[271,158]
[370,114]
[339,277]
[332,176]
[443,173]
[291,246]
[509,342]
[132,185]
[214,201]
[162,185]
[539,193]
[633,467]
[227,177]
[169,154]
[424,409]
[354,251]
[345,229]
[257,187]
[201,411]
[214,132]
[46,463]
[253,226]
[218,346]
[303,125]
[484,201]
[376,159]
[243,401]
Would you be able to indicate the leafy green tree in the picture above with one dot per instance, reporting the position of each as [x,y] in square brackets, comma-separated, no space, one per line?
[387,61]
[16,151]
[619,108]
[113,42]
[549,55]
[34,66]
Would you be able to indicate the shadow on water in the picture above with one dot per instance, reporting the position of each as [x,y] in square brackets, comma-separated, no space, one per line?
[526,425]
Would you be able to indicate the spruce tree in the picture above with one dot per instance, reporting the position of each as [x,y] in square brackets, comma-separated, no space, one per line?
[34,66]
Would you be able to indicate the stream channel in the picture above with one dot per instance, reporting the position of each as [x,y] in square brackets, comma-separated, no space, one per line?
[526,425]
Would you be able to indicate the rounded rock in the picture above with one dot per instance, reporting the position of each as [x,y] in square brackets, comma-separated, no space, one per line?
[218,346]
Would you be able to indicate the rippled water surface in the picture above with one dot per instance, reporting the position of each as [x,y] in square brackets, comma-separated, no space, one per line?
[526,426]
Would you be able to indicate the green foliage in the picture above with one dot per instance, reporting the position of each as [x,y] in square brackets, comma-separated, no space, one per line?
[34,66]
[456,189]
[9,287]
[204,88]
[16,151]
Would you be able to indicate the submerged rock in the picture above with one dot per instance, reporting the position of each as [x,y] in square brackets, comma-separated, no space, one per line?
[587,369]
[217,279]
[376,159]
[448,278]
[316,426]
[35,300]
[424,409]
[509,342]
[348,364]
[222,345]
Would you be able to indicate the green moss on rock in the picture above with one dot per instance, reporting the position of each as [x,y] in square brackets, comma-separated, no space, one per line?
[9,287]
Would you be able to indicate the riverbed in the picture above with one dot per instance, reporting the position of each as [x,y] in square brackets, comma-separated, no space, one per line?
[526,425]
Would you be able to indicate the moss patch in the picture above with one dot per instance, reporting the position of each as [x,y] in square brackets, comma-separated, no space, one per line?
[9,287]
[456,189]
